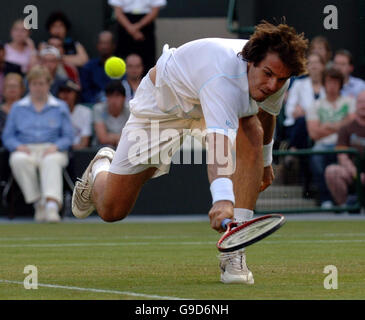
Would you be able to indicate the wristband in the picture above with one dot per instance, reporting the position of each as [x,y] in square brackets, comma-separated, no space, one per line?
[267,153]
[222,189]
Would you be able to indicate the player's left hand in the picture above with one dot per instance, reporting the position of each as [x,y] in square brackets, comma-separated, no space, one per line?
[268,178]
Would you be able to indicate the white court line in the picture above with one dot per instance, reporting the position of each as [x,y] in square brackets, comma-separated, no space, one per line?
[125,293]
[113,244]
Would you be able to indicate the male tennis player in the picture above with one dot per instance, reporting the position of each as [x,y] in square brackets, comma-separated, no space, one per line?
[232,88]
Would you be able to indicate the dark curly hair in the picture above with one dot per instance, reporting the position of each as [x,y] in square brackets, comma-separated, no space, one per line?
[281,39]
[58,16]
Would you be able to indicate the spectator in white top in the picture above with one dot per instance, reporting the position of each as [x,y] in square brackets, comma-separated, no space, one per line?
[344,62]
[81,116]
[136,28]
[134,74]
[301,97]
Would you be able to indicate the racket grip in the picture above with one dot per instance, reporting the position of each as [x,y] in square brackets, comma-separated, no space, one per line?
[225,223]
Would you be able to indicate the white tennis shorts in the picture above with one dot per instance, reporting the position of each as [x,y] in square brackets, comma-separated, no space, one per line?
[151,137]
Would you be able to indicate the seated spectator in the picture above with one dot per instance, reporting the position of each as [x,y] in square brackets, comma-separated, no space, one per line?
[58,25]
[324,119]
[321,46]
[136,28]
[13,91]
[38,133]
[341,177]
[5,68]
[50,57]
[64,69]
[20,50]
[134,75]
[301,97]
[344,62]
[93,76]
[81,116]
[110,116]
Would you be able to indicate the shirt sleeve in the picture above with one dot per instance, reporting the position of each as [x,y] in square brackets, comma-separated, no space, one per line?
[9,138]
[86,123]
[98,113]
[64,142]
[158,3]
[312,113]
[292,100]
[274,103]
[116,3]
[221,104]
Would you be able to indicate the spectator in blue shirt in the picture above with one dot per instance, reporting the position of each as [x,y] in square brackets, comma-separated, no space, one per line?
[38,133]
[343,61]
[93,77]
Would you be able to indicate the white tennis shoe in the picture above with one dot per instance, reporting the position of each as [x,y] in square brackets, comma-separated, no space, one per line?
[234,269]
[82,205]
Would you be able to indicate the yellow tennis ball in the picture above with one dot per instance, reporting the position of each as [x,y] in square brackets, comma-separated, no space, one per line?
[114,67]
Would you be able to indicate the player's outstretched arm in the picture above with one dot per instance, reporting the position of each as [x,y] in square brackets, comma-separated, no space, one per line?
[268,123]
[220,169]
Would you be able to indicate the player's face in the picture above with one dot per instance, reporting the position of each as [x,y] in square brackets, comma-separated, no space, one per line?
[267,77]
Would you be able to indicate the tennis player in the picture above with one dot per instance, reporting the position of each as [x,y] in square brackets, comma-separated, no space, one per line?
[231,90]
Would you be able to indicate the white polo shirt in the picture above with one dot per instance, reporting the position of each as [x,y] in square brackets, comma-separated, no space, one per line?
[137,6]
[207,78]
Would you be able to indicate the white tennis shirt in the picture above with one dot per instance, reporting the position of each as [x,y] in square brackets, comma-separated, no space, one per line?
[207,78]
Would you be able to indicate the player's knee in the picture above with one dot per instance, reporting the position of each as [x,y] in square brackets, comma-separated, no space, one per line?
[112,213]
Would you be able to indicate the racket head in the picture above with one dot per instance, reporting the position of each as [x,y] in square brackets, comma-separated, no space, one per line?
[241,236]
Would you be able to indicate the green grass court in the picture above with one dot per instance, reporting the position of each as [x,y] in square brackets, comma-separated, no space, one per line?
[178,260]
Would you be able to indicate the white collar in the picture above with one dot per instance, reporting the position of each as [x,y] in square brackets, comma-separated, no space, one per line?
[51,101]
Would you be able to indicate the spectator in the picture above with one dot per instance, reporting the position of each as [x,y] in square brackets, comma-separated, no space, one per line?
[5,68]
[50,58]
[301,97]
[93,77]
[81,116]
[74,53]
[111,116]
[134,74]
[20,50]
[136,28]
[64,69]
[321,46]
[38,133]
[13,91]
[324,119]
[341,177]
[344,62]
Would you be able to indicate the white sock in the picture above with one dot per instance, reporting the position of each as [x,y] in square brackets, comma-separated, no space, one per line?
[51,204]
[99,166]
[241,215]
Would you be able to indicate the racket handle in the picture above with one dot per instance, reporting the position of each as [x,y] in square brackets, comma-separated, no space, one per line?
[225,223]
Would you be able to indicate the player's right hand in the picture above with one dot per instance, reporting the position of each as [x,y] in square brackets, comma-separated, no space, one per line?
[221,210]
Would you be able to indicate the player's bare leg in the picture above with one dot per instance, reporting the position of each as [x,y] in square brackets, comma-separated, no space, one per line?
[246,182]
[114,195]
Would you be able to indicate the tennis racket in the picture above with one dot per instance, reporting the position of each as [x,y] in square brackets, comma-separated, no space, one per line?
[239,236]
